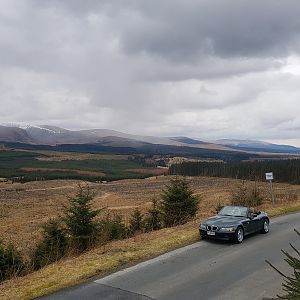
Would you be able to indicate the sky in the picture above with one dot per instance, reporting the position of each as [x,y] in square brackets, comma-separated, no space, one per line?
[206,69]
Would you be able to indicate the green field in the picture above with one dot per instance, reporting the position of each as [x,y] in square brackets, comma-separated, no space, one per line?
[13,163]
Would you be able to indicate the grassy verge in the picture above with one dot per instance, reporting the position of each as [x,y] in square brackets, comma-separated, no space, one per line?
[98,261]
[106,259]
[283,210]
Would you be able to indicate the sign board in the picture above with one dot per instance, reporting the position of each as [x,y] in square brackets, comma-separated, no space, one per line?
[269,176]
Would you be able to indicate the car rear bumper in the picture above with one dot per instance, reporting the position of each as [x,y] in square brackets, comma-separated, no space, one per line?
[218,235]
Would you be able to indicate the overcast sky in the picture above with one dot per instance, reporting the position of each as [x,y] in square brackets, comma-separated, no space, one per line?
[207,69]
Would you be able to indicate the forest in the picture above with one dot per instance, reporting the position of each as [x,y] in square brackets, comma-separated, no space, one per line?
[284,170]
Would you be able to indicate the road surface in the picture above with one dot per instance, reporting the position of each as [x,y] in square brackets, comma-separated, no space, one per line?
[204,270]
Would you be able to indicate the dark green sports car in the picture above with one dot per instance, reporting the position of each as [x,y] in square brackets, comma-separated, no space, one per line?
[234,223]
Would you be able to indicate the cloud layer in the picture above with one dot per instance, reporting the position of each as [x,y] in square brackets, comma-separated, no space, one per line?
[209,69]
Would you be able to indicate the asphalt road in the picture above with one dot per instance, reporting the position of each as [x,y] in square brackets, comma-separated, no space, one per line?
[204,270]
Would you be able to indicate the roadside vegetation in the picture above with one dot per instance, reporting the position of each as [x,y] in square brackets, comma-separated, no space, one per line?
[244,195]
[123,237]
[291,284]
[81,228]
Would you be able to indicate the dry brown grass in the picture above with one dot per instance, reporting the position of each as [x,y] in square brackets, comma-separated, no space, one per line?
[24,207]
[153,171]
[97,262]
[60,156]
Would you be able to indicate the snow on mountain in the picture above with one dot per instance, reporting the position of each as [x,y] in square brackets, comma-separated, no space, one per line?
[53,135]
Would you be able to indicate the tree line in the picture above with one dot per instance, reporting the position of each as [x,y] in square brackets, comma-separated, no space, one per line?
[284,170]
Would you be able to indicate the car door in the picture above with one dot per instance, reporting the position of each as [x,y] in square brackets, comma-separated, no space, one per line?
[257,222]
[248,226]
[250,223]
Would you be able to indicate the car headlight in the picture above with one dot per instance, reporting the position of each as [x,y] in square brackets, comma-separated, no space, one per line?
[202,227]
[228,229]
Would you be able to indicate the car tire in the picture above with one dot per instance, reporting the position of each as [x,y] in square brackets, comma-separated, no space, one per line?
[265,227]
[239,235]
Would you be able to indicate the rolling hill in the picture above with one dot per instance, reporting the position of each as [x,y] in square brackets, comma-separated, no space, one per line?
[55,136]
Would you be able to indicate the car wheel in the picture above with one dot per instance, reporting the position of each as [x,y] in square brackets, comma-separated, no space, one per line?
[266,227]
[239,235]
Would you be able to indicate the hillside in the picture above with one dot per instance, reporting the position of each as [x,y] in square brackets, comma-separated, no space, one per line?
[56,136]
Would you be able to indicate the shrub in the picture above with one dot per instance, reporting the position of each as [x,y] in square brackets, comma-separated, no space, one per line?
[153,220]
[11,262]
[240,195]
[112,228]
[246,196]
[136,222]
[52,247]
[255,197]
[79,220]
[178,204]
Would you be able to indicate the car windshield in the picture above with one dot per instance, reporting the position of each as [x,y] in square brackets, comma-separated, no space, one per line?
[235,211]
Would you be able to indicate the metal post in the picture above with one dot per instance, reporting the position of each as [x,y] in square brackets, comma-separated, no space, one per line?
[273,198]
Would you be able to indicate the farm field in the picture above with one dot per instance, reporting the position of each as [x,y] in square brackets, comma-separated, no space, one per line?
[25,207]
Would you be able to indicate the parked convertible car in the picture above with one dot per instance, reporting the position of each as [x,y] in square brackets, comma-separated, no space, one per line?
[234,223]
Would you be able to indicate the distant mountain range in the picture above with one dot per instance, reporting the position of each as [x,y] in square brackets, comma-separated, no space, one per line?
[258,146]
[52,135]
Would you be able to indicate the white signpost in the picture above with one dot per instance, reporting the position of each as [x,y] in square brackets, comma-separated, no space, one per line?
[270,177]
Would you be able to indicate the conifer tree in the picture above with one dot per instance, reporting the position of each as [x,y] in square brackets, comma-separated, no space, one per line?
[11,262]
[136,222]
[153,220]
[178,204]
[240,194]
[53,245]
[246,196]
[291,284]
[80,220]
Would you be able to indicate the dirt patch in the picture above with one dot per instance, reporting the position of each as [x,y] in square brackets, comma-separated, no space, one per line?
[153,171]
[81,172]
[61,156]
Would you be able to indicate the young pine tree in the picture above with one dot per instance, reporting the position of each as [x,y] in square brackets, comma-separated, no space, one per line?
[112,228]
[52,247]
[178,204]
[246,196]
[153,221]
[240,195]
[136,222]
[11,262]
[255,197]
[291,285]
[80,220]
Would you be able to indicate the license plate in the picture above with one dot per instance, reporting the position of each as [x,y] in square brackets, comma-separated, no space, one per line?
[211,233]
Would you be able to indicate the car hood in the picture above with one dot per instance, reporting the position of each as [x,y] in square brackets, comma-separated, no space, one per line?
[224,221]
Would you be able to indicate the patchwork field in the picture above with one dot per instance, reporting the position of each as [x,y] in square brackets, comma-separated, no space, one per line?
[50,165]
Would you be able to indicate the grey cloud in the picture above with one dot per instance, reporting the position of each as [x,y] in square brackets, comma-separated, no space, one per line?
[209,68]
[184,31]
